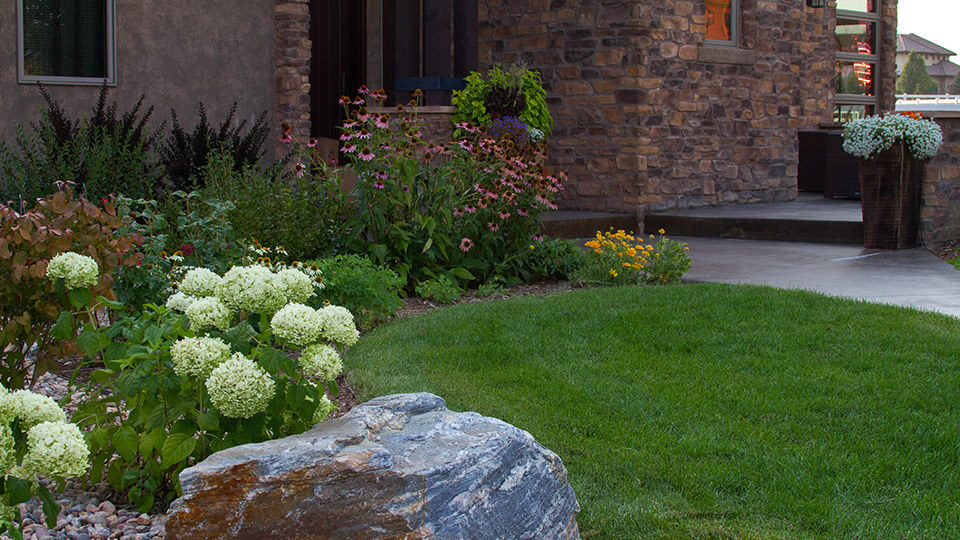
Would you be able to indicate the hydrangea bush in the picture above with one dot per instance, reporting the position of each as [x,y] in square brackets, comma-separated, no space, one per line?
[867,137]
[35,440]
[230,359]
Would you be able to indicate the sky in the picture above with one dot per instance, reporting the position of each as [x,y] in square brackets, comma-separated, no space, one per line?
[935,20]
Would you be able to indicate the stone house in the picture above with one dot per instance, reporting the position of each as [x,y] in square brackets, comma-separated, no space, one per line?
[657,103]
[936,58]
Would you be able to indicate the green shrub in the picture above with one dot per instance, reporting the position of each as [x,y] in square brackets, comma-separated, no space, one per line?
[554,258]
[499,95]
[103,154]
[442,289]
[29,304]
[369,291]
[299,211]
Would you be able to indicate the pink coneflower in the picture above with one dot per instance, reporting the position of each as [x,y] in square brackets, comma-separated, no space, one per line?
[538,238]
[350,124]
[349,148]
[359,101]
[551,206]
[382,175]
[466,244]
[481,203]
[523,212]
[385,147]
[435,149]
[364,134]
[554,188]
[383,121]
[345,100]
[363,90]
[469,209]
[347,136]
[378,184]
[493,226]
[465,145]
[366,154]
[299,169]
[540,199]
[504,215]
[406,189]
[312,142]
[457,212]
[379,94]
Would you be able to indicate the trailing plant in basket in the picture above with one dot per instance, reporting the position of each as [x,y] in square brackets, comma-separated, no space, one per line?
[209,370]
[515,91]
[867,137]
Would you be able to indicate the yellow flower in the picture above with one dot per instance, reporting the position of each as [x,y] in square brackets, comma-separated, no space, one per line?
[613,272]
[531,246]
[628,265]
[620,254]
[661,231]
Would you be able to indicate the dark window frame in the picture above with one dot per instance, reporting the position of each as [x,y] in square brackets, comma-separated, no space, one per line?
[870,102]
[111,47]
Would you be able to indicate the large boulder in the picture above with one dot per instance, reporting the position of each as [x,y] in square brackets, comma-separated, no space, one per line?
[401,466]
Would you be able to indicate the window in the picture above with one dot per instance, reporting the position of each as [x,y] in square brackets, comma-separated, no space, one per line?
[66,41]
[723,24]
[858,24]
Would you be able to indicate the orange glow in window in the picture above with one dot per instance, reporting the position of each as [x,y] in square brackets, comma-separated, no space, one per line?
[718,19]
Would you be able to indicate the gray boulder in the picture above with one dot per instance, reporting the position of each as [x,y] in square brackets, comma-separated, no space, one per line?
[401,466]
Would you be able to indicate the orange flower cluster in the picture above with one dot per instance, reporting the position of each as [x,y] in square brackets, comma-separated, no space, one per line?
[912,114]
[629,251]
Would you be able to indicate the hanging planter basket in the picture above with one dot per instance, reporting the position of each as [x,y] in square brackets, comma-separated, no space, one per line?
[889,190]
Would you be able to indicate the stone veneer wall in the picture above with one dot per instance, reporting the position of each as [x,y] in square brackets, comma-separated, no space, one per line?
[940,195]
[649,117]
[291,51]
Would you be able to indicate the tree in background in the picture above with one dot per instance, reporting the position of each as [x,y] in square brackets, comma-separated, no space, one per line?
[954,88]
[914,78]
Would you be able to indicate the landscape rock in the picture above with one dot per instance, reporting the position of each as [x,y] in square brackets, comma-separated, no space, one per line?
[401,466]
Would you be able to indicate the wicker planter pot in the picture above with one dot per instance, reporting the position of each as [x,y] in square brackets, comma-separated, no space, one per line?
[889,192]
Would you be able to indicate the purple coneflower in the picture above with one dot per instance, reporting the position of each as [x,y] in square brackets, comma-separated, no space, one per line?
[349,148]
[469,209]
[493,226]
[466,244]
[299,169]
[378,184]
[347,136]
[312,142]
[366,153]
[465,145]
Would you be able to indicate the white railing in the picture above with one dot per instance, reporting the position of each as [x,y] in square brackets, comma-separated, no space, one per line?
[928,103]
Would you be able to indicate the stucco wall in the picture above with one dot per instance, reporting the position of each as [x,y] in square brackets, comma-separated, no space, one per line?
[647,116]
[177,52]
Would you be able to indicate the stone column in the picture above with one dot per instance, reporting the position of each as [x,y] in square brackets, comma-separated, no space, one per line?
[292,51]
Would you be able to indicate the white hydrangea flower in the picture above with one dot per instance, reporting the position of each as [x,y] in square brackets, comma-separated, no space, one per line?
[200,282]
[867,137]
[8,451]
[338,325]
[209,312]
[56,449]
[198,356]
[298,324]
[239,388]
[179,302]
[252,288]
[78,271]
[324,408]
[30,408]
[321,361]
[296,285]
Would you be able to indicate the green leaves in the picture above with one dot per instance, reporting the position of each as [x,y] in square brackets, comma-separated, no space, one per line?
[125,441]
[63,328]
[176,448]
[80,298]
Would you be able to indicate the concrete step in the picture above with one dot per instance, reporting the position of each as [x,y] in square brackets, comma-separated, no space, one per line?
[809,218]
[581,224]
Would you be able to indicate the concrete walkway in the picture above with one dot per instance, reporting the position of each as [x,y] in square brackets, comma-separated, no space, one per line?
[914,278]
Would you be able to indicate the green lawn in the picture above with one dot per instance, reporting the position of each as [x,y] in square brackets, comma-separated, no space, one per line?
[707,411]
